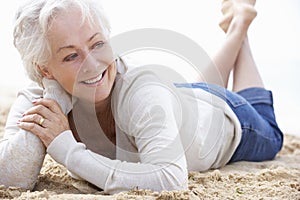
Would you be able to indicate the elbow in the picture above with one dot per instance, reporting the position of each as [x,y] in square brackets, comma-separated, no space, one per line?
[175,179]
[17,175]
[19,168]
[23,184]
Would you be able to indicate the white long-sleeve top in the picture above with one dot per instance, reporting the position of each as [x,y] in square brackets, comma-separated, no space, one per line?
[161,133]
[21,152]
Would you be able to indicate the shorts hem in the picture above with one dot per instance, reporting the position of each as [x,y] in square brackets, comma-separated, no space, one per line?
[257,95]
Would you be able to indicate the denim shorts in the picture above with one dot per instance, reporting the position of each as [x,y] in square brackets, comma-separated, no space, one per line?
[261,137]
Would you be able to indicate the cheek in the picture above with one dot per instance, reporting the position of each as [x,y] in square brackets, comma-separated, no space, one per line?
[112,72]
[67,80]
[65,74]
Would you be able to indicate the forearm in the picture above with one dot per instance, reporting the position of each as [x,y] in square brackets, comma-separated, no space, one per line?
[113,175]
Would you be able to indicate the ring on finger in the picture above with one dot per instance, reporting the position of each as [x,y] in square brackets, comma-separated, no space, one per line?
[42,119]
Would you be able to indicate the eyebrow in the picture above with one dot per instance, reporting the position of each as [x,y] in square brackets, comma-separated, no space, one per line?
[72,46]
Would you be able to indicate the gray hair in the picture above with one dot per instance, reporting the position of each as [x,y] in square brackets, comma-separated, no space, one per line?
[33,20]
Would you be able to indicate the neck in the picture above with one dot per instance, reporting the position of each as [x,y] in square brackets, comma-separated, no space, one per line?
[103,106]
[102,110]
[91,108]
[106,119]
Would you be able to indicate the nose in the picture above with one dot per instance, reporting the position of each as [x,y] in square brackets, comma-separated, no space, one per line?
[90,63]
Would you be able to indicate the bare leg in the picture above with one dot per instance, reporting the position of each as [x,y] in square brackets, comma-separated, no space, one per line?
[245,73]
[236,32]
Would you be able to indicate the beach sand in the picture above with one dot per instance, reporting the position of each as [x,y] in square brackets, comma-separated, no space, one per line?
[276,179]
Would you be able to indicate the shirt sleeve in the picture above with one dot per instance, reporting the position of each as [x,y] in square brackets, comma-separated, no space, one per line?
[147,114]
[21,152]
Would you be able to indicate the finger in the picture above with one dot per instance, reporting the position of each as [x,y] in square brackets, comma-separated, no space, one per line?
[36,130]
[40,110]
[49,103]
[34,118]
[31,127]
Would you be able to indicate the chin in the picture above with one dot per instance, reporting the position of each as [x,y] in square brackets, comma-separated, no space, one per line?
[98,92]
[101,97]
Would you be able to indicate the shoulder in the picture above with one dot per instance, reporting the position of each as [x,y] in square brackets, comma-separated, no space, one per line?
[31,91]
[23,102]
[25,96]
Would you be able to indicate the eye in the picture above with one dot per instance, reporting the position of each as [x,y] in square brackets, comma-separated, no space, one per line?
[98,45]
[70,57]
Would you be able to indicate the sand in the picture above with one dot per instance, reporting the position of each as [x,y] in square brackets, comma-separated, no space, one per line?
[276,179]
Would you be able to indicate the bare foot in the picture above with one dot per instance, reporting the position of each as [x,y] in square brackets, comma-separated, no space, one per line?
[243,10]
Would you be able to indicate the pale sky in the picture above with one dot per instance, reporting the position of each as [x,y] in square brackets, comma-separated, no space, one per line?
[274,37]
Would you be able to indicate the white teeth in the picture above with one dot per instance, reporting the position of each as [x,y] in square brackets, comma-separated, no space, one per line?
[95,80]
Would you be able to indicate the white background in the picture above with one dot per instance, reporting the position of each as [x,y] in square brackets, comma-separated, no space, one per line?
[274,37]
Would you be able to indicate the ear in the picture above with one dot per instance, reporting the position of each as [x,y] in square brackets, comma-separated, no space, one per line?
[45,72]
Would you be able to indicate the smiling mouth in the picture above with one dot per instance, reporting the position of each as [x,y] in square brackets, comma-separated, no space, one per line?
[95,80]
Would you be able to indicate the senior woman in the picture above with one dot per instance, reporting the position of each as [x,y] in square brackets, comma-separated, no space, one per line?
[128,128]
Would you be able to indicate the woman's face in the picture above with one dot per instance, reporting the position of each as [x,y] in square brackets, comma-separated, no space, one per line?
[82,59]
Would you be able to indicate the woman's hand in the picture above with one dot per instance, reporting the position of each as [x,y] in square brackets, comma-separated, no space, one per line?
[45,120]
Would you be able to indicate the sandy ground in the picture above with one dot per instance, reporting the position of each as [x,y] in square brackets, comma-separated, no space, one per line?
[277,179]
